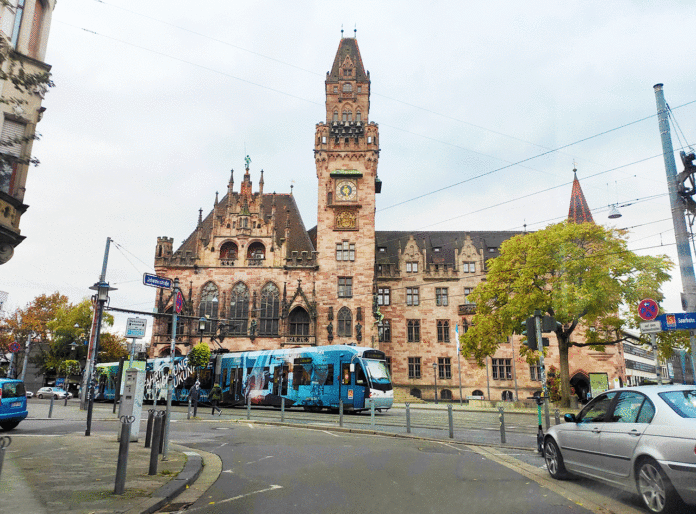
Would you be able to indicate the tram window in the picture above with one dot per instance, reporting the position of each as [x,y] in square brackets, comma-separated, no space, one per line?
[299,376]
[360,376]
[266,377]
[345,373]
[223,380]
[330,375]
[206,379]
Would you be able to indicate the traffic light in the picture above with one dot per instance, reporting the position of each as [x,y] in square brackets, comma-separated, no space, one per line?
[529,330]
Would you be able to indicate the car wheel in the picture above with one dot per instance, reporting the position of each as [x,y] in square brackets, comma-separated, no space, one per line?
[40,397]
[554,460]
[9,425]
[654,487]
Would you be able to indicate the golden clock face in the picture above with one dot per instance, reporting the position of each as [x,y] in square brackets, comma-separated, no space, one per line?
[346,190]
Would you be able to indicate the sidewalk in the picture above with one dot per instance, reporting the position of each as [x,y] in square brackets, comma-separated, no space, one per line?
[76,474]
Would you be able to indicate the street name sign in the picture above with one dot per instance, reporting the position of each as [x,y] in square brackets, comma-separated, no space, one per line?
[135,328]
[650,327]
[678,321]
[155,281]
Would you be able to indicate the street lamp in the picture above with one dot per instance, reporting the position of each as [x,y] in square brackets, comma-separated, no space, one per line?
[102,288]
[202,323]
[435,373]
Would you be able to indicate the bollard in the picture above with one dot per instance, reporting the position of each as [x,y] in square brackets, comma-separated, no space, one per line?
[557,415]
[50,408]
[148,430]
[249,407]
[66,401]
[451,421]
[502,425]
[282,409]
[122,463]
[188,415]
[156,444]
[163,431]
[340,413]
[372,412]
[5,441]
[408,418]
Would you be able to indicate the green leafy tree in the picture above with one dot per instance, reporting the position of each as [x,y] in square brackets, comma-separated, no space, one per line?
[112,347]
[199,356]
[582,274]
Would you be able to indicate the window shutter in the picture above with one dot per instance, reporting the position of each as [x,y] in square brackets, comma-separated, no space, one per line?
[11,131]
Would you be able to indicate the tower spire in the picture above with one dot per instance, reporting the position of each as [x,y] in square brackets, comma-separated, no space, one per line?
[579,211]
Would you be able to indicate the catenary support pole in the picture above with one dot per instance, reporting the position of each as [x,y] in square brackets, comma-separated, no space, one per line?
[170,378]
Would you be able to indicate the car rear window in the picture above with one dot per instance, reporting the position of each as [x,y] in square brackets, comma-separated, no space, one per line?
[682,402]
[13,390]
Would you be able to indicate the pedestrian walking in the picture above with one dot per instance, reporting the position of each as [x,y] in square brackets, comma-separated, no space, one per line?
[195,394]
[215,397]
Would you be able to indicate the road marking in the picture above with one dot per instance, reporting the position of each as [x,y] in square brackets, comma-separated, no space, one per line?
[226,500]
[228,471]
[262,458]
[330,433]
[192,454]
[250,425]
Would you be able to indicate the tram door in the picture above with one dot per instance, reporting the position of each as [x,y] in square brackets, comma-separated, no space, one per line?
[353,385]
[280,378]
[236,386]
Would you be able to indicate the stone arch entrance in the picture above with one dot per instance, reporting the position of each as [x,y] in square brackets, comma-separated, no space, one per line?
[581,383]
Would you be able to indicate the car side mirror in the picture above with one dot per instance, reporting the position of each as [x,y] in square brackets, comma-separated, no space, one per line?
[570,418]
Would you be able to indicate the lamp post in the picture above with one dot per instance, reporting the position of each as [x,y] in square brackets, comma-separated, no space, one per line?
[435,373]
[26,355]
[201,326]
[102,295]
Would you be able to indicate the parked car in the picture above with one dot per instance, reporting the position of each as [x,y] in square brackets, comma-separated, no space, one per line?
[30,394]
[642,439]
[13,403]
[57,392]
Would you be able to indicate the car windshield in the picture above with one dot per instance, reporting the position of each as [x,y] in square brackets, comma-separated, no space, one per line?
[682,402]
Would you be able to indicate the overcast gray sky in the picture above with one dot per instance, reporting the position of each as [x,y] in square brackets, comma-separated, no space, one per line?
[155,101]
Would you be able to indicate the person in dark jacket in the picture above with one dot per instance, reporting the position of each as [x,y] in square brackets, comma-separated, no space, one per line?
[215,397]
[195,395]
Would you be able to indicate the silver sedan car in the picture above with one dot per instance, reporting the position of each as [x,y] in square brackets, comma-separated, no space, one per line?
[642,439]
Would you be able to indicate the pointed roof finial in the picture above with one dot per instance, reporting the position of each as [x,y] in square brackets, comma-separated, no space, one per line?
[355,31]
[200,217]
[579,211]
[341,30]
[216,198]
[247,160]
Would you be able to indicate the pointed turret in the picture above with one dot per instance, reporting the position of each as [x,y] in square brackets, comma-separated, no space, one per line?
[579,211]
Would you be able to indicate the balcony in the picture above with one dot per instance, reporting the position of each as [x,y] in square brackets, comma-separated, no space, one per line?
[256,262]
[227,262]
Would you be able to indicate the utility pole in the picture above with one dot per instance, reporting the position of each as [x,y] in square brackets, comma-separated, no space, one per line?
[542,369]
[686,265]
[26,355]
[170,379]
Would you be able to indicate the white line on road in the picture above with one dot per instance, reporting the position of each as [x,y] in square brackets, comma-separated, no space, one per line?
[226,500]
[250,425]
[330,433]
[262,458]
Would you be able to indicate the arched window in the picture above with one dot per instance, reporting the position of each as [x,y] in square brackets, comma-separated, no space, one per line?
[345,322]
[415,392]
[335,116]
[299,322]
[209,306]
[347,116]
[445,394]
[507,396]
[270,310]
[477,392]
[239,309]
[347,87]
[358,117]
[228,251]
[256,254]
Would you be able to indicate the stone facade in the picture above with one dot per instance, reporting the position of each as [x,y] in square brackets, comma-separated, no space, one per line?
[24,34]
[260,280]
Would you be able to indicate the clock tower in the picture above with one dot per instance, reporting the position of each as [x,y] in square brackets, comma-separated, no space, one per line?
[346,152]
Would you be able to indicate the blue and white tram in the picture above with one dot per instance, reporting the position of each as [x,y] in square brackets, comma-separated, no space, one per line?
[313,378]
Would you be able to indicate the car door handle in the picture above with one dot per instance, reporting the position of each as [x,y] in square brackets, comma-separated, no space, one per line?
[596,430]
[634,432]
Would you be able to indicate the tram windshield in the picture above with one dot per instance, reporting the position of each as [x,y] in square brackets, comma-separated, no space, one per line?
[378,373]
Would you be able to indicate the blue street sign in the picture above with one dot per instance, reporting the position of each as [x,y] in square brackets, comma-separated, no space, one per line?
[155,281]
[678,321]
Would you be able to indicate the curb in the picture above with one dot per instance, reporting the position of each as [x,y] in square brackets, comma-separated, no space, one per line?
[165,494]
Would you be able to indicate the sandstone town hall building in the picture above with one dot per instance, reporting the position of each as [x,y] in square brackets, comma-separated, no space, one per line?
[263,281]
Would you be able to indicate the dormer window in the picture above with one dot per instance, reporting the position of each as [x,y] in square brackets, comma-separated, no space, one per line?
[347,72]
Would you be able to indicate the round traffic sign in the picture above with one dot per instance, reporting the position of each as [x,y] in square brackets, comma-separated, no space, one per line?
[648,309]
[15,347]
